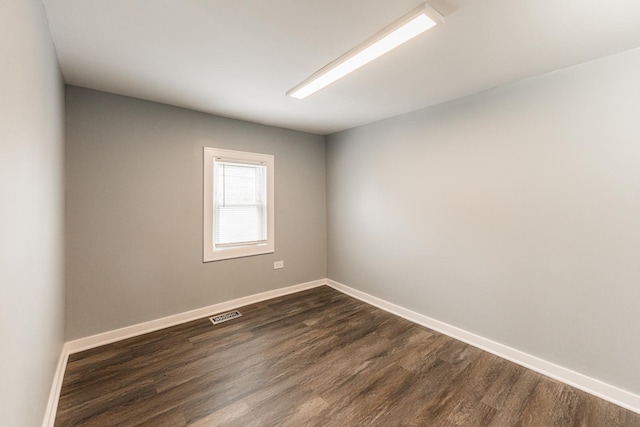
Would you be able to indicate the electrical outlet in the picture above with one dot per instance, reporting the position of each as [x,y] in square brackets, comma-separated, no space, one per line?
[278,264]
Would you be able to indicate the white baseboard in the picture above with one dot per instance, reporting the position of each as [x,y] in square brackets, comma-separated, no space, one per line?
[54,394]
[623,398]
[109,337]
[580,381]
[176,319]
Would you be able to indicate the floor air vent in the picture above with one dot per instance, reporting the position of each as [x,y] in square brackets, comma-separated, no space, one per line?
[219,318]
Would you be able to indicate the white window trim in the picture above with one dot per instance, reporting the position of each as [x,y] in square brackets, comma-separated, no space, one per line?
[210,253]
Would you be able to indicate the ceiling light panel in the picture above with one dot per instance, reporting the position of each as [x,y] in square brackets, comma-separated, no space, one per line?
[404,29]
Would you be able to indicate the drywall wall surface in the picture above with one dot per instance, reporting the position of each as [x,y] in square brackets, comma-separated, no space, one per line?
[513,214]
[31,212]
[134,211]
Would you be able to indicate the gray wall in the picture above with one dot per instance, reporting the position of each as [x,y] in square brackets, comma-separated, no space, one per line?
[514,214]
[134,211]
[31,212]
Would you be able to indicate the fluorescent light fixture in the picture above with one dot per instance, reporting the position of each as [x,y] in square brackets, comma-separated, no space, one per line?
[404,29]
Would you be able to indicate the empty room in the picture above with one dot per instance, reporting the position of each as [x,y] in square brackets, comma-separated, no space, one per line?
[320,213]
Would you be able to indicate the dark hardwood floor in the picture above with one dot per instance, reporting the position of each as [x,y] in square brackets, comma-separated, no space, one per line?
[315,358]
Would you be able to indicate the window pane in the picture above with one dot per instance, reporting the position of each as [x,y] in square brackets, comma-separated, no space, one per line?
[239,197]
[240,224]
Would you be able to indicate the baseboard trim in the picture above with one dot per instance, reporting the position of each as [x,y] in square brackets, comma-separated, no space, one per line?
[580,381]
[109,337]
[177,319]
[608,392]
[54,394]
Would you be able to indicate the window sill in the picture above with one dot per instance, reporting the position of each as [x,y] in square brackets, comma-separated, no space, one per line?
[240,252]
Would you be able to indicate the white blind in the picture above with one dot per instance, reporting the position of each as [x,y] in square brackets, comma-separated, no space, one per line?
[240,203]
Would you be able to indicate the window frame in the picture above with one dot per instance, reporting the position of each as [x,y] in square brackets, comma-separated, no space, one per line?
[210,252]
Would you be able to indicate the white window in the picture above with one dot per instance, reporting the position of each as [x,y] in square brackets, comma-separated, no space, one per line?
[238,204]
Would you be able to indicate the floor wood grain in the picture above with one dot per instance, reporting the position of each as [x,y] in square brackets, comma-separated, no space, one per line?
[315,358]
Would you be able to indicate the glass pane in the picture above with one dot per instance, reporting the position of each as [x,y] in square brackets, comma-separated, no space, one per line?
[239,203]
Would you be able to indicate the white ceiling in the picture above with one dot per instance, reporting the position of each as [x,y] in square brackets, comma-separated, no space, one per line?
[237,58]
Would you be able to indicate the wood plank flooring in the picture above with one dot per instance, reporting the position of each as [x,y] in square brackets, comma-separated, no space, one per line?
[315,358]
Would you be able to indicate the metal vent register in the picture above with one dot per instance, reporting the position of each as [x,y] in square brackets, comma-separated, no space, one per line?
[219,318]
